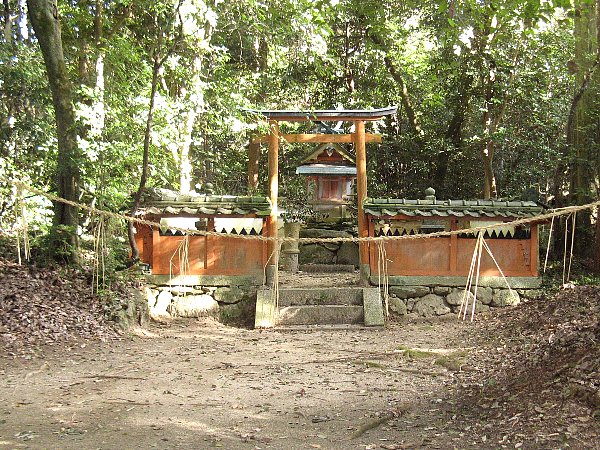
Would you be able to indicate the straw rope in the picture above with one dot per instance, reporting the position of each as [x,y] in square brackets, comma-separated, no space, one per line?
[190,231]
[480,245]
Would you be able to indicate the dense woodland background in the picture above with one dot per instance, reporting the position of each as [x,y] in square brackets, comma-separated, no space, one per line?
[496,98]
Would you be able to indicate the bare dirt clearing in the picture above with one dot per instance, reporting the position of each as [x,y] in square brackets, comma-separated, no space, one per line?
[202,385]
[526,377]
[199,384]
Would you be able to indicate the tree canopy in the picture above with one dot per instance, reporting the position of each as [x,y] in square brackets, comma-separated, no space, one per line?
[495,97]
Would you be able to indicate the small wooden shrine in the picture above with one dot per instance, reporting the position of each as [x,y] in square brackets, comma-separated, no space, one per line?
[514,247]
[330,173]
[210,259]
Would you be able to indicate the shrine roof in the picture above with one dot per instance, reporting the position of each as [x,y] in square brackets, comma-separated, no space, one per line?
[328,146]
[432,207]
[324,114]
[164,201]
[325,169]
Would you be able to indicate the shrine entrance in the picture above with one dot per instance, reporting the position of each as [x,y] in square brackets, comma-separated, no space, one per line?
[359,138]
[318,304]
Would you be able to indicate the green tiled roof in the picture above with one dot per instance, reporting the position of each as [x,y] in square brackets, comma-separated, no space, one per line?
[455,208]
[164,201]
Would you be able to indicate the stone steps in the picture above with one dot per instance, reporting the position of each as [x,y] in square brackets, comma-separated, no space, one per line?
[319,306]
[327,268]
[320,296]
[320,315]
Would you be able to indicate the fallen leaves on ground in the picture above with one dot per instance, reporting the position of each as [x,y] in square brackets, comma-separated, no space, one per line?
[537,375]
[41,306]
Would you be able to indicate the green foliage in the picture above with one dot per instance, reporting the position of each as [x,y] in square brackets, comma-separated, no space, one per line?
[220,57]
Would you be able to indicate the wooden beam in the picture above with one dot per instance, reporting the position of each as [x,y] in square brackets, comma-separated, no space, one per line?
[453,247]
[361,191]
[534,248]
[319,138]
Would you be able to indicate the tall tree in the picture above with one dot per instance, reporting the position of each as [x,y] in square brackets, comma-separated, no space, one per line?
[582,122]
[167,37]
[46,24]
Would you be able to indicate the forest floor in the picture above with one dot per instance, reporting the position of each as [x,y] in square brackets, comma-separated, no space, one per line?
[527,377]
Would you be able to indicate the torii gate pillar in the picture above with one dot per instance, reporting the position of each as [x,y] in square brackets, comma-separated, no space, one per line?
[273,247]
[361,193]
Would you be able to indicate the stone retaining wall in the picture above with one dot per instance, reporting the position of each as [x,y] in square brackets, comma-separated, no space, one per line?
[432,301]
[328,252]
[228,304]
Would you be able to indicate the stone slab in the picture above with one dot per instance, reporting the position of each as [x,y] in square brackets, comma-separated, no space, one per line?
[315,254]
[162,302]
[409,291]
[431,305]
[484,294]
[193,306]
[493,282]
[348,254]
[506,298]
[207,280]
[320,315]
[441,290]
[457,297]
[373,307]
[233,294]
[322,233]
[265,309]
[320,296]
[326,268]
[365,274]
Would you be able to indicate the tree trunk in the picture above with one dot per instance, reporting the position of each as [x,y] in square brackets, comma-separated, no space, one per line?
[582,123]
[453,132]
[45,21]
[253,160]
[487,145]
[135,251]
[196,101]
[404,96]
[7,22]
[185,170]
[23,34]
[411,114]
[489,187]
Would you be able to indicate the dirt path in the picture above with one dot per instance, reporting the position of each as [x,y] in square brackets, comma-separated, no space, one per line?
[203,385]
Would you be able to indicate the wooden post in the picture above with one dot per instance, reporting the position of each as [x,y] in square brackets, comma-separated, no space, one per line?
[273,194]
[156,250]
[453,247]
[534,250]
[361,191]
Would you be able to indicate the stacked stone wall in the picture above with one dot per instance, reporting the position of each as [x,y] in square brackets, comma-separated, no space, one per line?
[343,253]
[433,301]
[228,304]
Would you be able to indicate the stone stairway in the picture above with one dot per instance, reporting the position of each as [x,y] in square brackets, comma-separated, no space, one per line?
[319,305]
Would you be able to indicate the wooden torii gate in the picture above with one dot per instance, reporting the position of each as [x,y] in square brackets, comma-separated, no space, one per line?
[359,138]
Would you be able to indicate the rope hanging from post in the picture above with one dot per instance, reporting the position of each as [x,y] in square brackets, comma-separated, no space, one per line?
[23,229]
[383,278]
[99,252]
[183,257]
[573,224]
[480,244]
